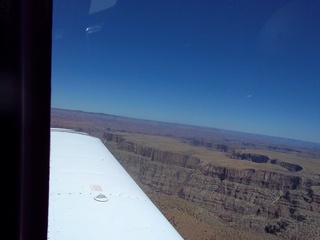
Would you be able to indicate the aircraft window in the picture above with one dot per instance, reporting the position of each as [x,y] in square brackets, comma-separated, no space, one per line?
[241,65]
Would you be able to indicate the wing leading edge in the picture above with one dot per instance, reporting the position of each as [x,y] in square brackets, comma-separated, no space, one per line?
[92,197]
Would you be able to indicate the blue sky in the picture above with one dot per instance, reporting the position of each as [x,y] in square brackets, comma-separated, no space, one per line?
[244,65]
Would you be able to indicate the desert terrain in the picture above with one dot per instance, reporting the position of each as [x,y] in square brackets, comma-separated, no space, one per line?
[212,183]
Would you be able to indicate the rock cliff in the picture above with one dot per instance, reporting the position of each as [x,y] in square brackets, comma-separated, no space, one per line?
[258,158]
[270,202]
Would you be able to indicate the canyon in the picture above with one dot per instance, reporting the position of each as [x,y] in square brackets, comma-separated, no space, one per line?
[277,201]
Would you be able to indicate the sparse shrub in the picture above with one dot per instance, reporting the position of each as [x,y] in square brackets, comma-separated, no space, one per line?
[276,228]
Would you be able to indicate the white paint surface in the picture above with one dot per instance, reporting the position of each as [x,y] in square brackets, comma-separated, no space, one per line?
[81,168]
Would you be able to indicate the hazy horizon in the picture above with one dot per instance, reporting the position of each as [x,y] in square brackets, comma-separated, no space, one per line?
[192,125]
[246,66]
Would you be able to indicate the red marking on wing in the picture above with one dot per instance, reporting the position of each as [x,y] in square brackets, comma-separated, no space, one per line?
[96,188]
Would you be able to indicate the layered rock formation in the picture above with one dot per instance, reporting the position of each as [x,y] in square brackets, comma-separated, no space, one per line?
[278,203]
[258,158]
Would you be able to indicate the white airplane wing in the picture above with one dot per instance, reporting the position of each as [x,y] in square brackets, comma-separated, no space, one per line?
[92,197]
